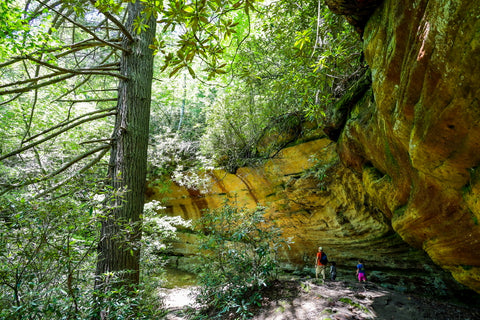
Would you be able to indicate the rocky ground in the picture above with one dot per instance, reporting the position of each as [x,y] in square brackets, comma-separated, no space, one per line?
[335,300]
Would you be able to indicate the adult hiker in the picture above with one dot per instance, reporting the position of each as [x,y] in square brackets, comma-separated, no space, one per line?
[321,263]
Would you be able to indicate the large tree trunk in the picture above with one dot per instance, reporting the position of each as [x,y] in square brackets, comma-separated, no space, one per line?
[119,247]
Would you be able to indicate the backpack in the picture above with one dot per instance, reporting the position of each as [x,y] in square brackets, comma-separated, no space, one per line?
[324,259]
[361,268]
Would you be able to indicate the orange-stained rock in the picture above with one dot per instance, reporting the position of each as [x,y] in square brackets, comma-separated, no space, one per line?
[405,166]
[423,128]
[419,136]
[336,212]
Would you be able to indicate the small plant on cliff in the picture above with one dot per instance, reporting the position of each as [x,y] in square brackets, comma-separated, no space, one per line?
[238,249]
[320,170]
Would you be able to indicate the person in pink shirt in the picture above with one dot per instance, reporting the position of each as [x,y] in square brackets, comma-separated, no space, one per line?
[361,272]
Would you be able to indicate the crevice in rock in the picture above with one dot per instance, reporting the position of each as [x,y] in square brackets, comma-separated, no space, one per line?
[337,116]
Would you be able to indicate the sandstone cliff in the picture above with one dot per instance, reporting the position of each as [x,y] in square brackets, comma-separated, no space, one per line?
[399,179]
[421,132]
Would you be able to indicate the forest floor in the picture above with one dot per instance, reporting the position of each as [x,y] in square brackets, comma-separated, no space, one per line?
[335,300]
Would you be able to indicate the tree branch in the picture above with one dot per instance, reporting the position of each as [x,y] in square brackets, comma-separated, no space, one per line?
[87,78]
[36,79]
[65,77]
[73,125]
[75,160]
[86,100]
[32,87]
[85,168]
[78,85]
[85,44]
[12,99]
[84,28]
[95,141]
[71,121]
[80,46]
[112,18]
[78,71]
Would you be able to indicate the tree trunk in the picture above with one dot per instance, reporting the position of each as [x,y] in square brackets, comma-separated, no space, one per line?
[119,246]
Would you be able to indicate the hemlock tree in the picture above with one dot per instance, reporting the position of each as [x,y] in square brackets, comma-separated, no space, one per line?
[119,242]
[64,64]
[99,45]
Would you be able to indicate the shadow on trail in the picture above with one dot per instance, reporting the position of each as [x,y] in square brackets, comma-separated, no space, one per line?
[336,300]
[345,300]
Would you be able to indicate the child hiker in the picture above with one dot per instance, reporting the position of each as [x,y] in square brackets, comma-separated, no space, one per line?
[361,272]
[333,271]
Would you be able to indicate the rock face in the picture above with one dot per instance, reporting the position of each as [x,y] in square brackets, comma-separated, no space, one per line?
[402,180]
[333,212]
[316,200]
[356,12]
[421,130]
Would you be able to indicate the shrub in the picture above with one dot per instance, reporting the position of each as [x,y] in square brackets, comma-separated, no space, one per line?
[239,249]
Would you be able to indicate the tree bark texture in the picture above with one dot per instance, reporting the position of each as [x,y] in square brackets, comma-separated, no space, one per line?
[119,246]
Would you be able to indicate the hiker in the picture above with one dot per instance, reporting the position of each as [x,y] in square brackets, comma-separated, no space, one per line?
[320,263]
[361,272]
[333,270]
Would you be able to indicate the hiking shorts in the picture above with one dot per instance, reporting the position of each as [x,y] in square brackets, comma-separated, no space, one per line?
[362,277]
[320,270]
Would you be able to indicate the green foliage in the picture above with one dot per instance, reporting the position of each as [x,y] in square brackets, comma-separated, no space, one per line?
[238,251]
[123,303]
[174,158]
[320,170]
[298,60]
[232,134]
[11,20]
[205,29]
[354,304]
[23,32]
[159,230]
[46,252]
[177,123]
[47,261]
[56,99]
[56,94]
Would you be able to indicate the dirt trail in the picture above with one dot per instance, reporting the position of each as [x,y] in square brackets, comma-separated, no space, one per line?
[339,300]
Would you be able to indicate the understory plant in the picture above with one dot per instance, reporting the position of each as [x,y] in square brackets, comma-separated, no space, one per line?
[47,261]
[239,251]
[321,170]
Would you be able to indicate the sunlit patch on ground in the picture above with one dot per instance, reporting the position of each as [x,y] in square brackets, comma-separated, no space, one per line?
[178,298]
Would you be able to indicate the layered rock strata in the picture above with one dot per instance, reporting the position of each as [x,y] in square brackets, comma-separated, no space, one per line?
[401,178]
[421,129]
[316,200]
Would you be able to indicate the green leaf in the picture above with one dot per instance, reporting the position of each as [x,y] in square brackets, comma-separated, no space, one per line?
[189,9]
[192,73]
[175,71]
